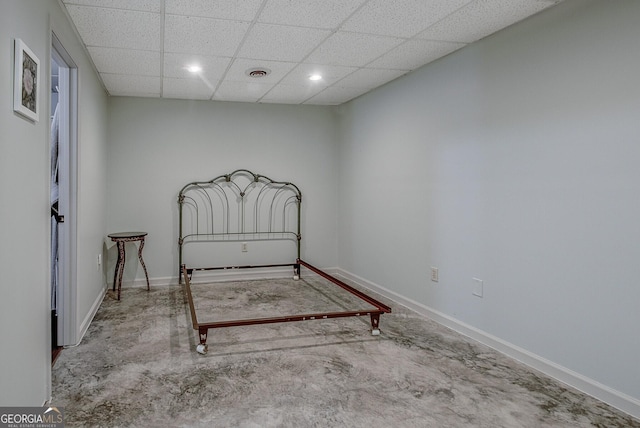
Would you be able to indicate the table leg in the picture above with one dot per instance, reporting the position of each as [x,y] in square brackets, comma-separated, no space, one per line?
[117,276]
[142,262]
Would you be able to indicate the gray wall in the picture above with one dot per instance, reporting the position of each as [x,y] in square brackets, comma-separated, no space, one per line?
[515,161]
[159,145]
[25,361]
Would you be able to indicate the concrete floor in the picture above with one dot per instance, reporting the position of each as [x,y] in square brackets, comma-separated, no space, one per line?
[137,366]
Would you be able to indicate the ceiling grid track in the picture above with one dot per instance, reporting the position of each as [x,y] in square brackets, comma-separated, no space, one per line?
[144,48]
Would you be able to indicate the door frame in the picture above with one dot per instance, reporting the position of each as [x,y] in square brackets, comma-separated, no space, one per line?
[68,184]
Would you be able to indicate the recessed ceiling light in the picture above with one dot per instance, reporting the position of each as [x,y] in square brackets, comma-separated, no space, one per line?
[257,72]
[194,68]
[315,77]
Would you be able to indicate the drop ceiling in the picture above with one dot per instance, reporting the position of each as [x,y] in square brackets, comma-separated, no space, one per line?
[144,47]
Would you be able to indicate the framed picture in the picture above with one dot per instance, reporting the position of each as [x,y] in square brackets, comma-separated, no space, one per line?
[26,82]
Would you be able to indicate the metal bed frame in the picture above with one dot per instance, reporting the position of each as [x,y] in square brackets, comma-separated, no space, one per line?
[244,206]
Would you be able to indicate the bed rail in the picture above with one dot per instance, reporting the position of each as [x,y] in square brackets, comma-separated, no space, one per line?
[244,206]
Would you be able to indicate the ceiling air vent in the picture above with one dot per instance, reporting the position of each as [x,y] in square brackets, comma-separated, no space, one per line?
[257,72]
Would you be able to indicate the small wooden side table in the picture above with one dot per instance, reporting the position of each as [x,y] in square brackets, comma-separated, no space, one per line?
[121,238]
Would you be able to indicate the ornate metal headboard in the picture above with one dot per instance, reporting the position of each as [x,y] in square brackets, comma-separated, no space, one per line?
[240,206]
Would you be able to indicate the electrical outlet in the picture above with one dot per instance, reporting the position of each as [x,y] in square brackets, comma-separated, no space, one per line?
[478,287]
[99,262]
[434,274]
[244,247]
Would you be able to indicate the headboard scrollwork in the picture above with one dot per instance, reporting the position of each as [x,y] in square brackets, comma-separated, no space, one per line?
[240,206]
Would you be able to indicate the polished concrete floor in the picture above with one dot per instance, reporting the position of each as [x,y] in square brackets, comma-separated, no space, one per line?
[137,367]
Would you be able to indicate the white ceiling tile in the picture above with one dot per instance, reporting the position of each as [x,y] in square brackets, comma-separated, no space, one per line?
[351,49]
[126,61]
[291,94]
[400,18]
[241,91]
[213,67]
[192,89]
[309,13]
[281,43]
[244,10]
[204,36]
[144,5]
[481,18]
[370,78]
[335,95]
[330,74]
[414,54]
[141,47]
[117,28]
[120,84]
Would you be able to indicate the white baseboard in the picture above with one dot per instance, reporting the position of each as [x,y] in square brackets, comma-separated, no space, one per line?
[221,275]
[84,325]
[580,382]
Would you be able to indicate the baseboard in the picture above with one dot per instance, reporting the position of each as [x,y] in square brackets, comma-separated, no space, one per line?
[575,380]
[221,275]
[84,326]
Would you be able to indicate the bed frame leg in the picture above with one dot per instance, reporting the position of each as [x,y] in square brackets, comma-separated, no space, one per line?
[296,271]
[375,321]
[202,348]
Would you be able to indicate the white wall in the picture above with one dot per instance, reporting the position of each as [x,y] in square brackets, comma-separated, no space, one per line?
[91,193]
[25,360]
[515,161]
[25,214]
[158,145]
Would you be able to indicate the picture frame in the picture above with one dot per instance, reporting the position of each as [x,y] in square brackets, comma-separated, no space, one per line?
[26,82]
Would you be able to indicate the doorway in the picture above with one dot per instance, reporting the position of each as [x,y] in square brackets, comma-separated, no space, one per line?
[63,145]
